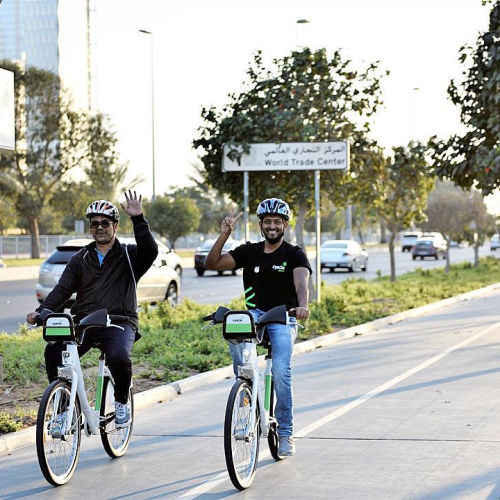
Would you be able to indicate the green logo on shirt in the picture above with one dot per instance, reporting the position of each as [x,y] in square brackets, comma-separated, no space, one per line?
[280,269]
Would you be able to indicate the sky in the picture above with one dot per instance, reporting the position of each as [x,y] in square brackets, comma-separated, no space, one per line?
[202,49]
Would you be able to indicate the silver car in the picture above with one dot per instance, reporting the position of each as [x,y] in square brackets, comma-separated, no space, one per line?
[160,283]
[346,254]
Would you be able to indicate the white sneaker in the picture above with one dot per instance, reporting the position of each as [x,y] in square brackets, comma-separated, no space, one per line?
[122,415]
[286,446]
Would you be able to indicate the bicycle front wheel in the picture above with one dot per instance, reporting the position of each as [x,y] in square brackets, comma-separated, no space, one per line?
[57,443]
[115,441]
[241,442]
[272,432]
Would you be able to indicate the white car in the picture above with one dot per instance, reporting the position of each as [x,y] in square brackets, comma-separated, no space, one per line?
[161,282]
[495,242]
[346,254]
[409,239]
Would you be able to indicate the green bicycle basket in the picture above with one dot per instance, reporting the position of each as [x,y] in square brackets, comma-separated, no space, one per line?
[58,327]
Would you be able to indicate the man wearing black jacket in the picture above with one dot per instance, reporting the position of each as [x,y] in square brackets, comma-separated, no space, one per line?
[104,275]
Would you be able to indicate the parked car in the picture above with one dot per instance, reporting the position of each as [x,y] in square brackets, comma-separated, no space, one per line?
[173,259]
[409,240]
[433,245]
[202,251]
[495,242]
[160,283]
[347,254]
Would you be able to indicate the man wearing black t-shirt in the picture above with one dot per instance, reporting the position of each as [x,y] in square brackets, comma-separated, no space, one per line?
[274,273]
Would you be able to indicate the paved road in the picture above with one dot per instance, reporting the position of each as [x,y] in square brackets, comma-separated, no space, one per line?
[17,297]
[408,412]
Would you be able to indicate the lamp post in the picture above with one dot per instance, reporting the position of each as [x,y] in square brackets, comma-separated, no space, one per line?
[152,109]
[300,21]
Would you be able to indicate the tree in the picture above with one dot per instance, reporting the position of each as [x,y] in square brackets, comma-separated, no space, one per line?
[473,159]
[395,188]
[7,214]
[50,142]
[105,177]
[305,97]
[459,216]
[172,217]
[213,207]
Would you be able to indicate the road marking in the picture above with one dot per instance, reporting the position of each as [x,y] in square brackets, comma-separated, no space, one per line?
[220,478]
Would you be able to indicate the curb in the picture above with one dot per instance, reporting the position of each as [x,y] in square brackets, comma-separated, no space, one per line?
[164,393]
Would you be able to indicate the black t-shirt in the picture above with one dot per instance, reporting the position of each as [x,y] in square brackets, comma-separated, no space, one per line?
[268,277]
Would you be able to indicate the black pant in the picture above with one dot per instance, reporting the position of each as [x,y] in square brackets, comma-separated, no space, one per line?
[117,347]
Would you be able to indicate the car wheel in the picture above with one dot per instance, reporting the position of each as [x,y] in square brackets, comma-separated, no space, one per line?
[414,257]
[332,269]
[200,271]
[436,256]
[172,297]
[365,267]
[351,269]
[178,270]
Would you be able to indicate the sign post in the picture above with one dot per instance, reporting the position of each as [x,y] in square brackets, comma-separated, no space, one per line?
[289,156]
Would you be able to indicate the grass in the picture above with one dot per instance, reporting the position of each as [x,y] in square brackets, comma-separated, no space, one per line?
[22,262]
[173,345]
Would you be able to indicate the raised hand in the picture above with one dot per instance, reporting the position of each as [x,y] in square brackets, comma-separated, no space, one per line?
[229,222]
[133,205]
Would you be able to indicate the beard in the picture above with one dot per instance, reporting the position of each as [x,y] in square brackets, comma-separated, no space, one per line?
[275,239]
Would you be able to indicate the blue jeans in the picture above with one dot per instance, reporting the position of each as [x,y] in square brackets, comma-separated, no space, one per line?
[282,338]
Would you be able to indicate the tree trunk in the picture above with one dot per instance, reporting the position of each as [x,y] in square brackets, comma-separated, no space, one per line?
[392,257]
[35,237]
[476,254]
[383,231]
[299,227]
[360,236]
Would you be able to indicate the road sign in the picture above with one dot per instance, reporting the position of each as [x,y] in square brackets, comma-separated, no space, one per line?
[290,156]
[7,135]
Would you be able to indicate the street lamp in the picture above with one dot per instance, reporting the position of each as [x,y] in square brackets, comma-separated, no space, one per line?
[300,21]
[152,108]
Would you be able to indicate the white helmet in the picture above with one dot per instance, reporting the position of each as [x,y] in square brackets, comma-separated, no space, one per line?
[274,206]
[103,207]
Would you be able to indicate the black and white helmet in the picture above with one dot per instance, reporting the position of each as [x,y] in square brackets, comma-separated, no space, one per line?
[274,206]
[103,207]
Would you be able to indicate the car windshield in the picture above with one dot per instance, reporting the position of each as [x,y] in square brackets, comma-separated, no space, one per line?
[335,245]
[62,256]
[424,242]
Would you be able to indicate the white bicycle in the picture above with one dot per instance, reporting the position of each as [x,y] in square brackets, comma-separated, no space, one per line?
[65,410]
[251,402]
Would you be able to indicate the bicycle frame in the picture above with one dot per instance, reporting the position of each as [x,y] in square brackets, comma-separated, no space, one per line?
[250,371]
[71,370]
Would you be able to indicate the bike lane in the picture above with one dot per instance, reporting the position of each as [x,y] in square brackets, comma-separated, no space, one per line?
[430,430]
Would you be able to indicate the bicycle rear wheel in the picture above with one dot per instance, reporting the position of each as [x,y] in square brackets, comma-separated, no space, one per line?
[272,432]
[241,443]
[115,441]
[58,450]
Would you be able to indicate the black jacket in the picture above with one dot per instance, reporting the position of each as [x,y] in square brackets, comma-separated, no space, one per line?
[110,285]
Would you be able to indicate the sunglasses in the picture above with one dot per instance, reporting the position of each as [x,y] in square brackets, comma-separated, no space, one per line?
[103,223]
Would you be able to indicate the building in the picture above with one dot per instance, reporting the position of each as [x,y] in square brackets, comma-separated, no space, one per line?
[53,35]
